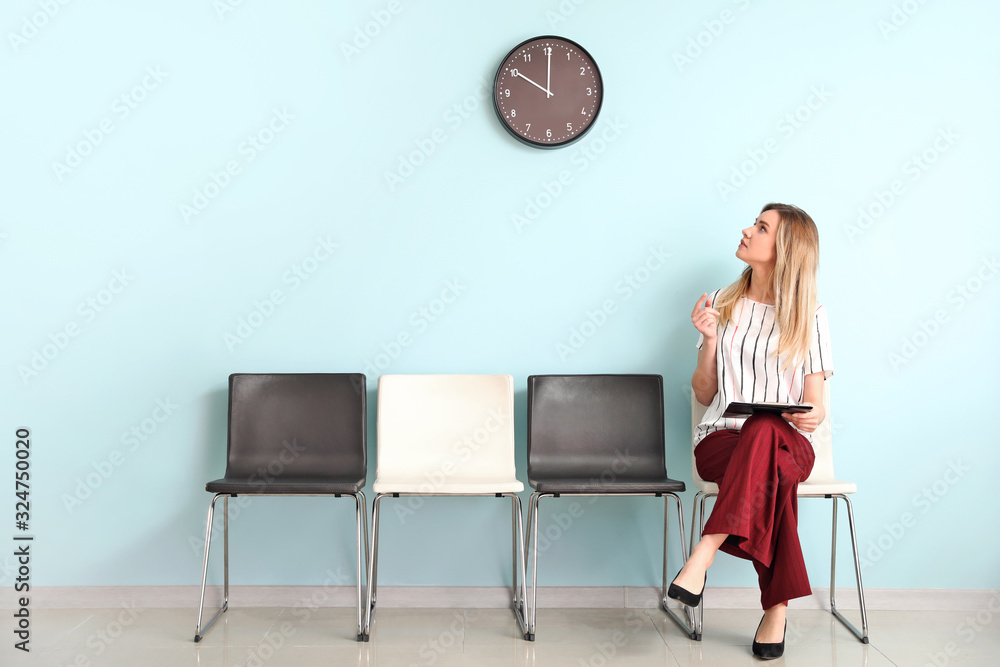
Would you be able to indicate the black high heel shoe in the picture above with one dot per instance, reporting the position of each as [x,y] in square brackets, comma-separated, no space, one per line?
[684,596]
[769,651]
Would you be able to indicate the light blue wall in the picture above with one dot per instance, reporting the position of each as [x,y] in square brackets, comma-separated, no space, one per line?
[888,82]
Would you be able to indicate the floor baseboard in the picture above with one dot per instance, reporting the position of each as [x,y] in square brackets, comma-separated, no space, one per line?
[485,597]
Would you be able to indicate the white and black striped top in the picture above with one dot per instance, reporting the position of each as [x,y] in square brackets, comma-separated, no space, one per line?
[748,368]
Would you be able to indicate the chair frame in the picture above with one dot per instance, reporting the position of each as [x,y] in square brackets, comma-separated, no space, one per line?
[517,534]
[361,519]
[689,627]
[802,491]
[698,519]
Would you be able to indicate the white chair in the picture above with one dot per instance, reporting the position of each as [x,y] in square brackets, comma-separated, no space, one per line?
[822,483]
[447,435]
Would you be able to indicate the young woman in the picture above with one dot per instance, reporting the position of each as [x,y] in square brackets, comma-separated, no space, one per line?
[763,339]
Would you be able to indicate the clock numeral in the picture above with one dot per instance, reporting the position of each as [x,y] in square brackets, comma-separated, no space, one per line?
[548,133]
[527,57]
[513,72]
[513,113]
[547,50]
[583,111]
[569,127]
[582,71]
[589,92]
[506,92]
[567,56]
[527,127]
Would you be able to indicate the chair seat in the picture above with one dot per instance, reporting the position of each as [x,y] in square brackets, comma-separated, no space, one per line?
[825,487]
[453,486]
[816,488]
[292,486]
[596,485]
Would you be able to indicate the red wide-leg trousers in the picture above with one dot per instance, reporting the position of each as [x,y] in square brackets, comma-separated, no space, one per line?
[757,469]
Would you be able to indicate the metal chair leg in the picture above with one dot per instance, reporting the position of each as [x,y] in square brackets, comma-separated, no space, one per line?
[368,560]
[523,553]
[518,549]
[532,544]
[689,625]
[833,558]
[700,499]
[361,529]
[364,513]
[225,550]
[862,635]
[513,547]
[199,631]
[685,549]
[372,569]
[694,522]
[666,526]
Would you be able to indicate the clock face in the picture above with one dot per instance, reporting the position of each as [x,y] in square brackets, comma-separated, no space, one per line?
[548,92]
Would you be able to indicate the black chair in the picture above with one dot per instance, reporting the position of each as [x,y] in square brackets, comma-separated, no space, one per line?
[292,434]
[599,435]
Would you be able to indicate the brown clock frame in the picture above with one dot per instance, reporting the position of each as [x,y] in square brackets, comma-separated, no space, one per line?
[548,99]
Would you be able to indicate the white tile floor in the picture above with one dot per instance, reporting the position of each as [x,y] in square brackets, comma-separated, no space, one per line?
[299,637]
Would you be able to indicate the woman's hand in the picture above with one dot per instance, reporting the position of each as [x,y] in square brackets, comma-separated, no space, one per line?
[812,394]
[705,382]
[705,319]
[805,421]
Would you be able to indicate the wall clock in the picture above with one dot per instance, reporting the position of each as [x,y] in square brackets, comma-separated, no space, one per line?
[548,91]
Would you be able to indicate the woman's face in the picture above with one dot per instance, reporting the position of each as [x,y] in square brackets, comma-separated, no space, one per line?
[757,245]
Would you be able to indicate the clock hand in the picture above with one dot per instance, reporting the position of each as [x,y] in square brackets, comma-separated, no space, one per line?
[548,77]
[534,84]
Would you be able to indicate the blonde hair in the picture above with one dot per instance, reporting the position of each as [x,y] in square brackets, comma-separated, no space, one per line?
[792,282]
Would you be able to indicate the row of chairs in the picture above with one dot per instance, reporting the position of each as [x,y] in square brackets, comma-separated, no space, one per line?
[453,435]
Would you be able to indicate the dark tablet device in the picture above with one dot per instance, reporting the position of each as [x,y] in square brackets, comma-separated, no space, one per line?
[746,409]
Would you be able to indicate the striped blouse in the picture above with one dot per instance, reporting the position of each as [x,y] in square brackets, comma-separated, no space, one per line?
[748,368]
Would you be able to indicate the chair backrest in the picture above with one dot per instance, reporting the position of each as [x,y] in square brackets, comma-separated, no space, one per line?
[822,440]
[582,425]
[296,425]
[445,427]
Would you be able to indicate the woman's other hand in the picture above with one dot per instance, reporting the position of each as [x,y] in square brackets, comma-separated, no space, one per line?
[812,394]
[805,421]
